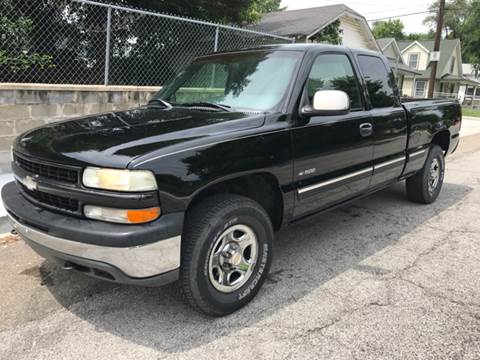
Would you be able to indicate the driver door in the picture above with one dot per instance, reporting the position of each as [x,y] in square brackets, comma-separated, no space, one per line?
[334,153]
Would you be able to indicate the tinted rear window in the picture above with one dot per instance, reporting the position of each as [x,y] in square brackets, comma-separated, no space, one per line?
[379,81]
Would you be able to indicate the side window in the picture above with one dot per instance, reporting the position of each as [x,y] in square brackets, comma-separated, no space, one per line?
[334,72]
[380,83]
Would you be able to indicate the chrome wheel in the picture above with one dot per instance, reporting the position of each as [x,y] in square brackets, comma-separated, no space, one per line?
[434,175]
[233,258]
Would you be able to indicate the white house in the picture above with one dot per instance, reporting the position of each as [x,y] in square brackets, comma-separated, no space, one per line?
[472,91]
[449,77]
[305,24]
[390,49]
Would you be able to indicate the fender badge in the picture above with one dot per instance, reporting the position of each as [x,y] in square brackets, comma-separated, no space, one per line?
[307,172]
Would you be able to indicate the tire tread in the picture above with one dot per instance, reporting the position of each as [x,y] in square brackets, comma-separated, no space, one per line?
[201,215]
[416,183]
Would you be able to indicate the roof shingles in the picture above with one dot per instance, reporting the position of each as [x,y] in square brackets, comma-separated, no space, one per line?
[301,22]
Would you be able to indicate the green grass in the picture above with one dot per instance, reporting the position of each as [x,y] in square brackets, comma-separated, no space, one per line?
[471,112]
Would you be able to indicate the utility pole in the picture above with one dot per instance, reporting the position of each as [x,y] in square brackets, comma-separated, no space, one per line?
[436,48]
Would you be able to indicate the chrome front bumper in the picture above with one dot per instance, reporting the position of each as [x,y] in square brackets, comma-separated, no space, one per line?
[136,262]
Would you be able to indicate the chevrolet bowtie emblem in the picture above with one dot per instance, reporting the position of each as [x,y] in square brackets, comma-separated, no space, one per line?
[29,183]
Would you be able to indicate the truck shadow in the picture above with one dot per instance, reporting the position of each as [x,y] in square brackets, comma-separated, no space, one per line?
[306,257]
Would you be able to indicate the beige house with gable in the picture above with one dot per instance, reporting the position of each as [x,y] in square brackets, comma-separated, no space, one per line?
[391,51]
[449,78]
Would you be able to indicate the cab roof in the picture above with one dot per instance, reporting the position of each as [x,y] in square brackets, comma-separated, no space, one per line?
[297,47]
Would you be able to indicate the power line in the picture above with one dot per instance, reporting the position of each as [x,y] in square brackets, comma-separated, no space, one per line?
[396,9]
[402,15]
[447,9]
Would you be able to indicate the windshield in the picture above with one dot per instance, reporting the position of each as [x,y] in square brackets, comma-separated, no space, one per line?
[255,80]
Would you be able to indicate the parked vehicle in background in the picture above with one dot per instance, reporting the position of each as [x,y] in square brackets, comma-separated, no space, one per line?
[192,186]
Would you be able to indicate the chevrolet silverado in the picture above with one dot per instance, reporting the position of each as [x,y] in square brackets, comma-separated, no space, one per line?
[192,186]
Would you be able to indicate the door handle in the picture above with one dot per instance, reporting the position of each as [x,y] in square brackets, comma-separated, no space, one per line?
[366,129]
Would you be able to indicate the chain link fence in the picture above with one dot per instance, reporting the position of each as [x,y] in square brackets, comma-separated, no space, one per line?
[84,42]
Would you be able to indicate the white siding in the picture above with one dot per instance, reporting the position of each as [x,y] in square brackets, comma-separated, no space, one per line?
[407,89]
[354,35]
[423,56]
[390,52]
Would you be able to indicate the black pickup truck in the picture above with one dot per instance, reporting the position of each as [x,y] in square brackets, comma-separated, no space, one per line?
[193,185]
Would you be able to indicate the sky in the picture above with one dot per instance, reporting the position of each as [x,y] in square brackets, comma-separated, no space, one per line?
[375,9]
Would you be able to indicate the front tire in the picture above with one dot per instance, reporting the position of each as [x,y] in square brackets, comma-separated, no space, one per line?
[226,253]
[425,186]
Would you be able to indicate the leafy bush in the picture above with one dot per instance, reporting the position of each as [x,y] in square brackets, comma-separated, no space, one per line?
[15,46]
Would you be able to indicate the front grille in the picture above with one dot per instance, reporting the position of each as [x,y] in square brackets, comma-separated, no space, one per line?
[47,171]
[55,201]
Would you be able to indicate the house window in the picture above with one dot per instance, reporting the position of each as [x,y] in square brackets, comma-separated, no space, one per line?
[420,87]
[452,65]
[413,60]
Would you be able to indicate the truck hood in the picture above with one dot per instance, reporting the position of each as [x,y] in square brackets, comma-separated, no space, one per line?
[115,139]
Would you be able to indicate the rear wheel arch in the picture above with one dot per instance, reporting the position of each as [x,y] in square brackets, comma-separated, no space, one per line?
[418,185]
[442,139]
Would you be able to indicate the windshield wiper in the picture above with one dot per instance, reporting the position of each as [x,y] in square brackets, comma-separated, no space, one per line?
[208,104]
[165,104]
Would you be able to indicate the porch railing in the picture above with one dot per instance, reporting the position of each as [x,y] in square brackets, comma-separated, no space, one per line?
[445,95]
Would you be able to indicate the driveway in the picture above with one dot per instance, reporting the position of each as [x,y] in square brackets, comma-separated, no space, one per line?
[380,279]
[470,126]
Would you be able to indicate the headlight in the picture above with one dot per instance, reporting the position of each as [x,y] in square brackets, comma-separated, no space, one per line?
[123,216]
[119,180]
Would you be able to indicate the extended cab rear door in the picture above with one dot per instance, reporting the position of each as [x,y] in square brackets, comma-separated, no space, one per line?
[387,117]
[332,155]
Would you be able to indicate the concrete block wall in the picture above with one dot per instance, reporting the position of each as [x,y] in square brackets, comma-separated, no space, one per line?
[26,106]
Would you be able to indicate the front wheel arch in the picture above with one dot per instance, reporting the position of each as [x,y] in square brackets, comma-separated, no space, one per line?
[262,188]
[207,222]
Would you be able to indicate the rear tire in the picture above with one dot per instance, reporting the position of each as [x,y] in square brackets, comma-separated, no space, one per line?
[425,186]
[226,253]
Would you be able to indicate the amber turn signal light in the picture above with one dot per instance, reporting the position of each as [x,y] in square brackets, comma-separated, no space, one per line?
[122,216]
[143,215]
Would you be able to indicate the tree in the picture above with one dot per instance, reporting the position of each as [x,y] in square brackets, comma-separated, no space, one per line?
[456,13]
[389,29]
[19,57]
[259,7]
[64,41]
[421,36]
[332,34]
[471,43]
[226,11]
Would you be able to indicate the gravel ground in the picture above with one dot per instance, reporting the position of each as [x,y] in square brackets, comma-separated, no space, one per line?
[380,279]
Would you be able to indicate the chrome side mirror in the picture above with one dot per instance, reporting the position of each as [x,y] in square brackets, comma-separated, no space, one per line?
[328,102]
